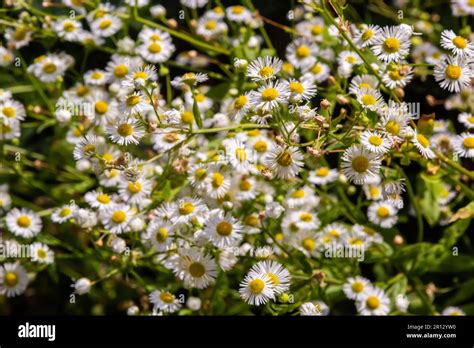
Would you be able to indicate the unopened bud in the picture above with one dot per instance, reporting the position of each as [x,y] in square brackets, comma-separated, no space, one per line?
[325,104]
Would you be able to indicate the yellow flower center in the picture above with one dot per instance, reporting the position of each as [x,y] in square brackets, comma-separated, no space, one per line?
[103,198]
[125,130]
[134,187]
[375,140]
[285,159]
[266,71]
[224,228]
[322,172]
[298,194]
[240,102]
[161,235]
[251,220]
[49,68]
[166,297]
[41,253]
[453,72]
[101,107]
[351,59]
[316,69]
[69,27]
[260,146]
[105,23]
[171,137]
[211,25]
[422,140]
[200,174]
[256,286]
[187,117]
[391,45]
[357,286]
[245,185]
[470,119]
[11,279]
[82,91]
[23,221]
[303,51]
[364,85]
[306,217]
[200,98]
[367,35]
[65,212]
[197,270]
[119,216]
[217,180]
[368,99]
[316,29]
[373,302]
[296,87]
[186,208]
[460,42]
[132,100]
[241,154]
[155,37]
[383,212]
[8,111]
[238,10]
[96,75]
[360,164]
[468,142]
[374,191]
[395,75]
[308,244]
[120,70]
[392,127]
[154,48]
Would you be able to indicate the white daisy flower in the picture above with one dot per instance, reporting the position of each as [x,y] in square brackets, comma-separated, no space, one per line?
[464,145]
[264,68]
[87,148]
[453,74]
[188,209]
[135,192]
[392,44]
[218,182]
[140,76]
[375,142]
[323,175]
[360,165]
[95,77]
[453,311]
[270,95]
[367,35]
[98,199]
[194,3]
[284,162]
[467,119]
[318,72]
[256,288]
[300,90]
[189,79]
[423,144]
[398,76]
[301,53]
[314,309]
[458,45]
[355,287]
[68,29]
[164,301]
[279,275]
[239,156]
[116,218]
[63,214]
[160,234]
[126,131]
[106,26]
[363,81]
[41,253]
[23,222]
[222,229]
[156,51]
[370,99]
[373,302]
[383,214]
[13,279]
[195,269]
[12,110]
[210,28]
[166,138]
[239,14]
[239,107]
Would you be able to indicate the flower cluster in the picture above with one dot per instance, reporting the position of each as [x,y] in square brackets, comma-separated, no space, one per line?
[236,173]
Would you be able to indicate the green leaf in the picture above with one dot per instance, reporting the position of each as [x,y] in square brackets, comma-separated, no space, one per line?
[454,232]
[219,92]
[431,188]
[196,112]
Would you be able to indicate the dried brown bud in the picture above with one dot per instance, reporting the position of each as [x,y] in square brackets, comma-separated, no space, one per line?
[172,23]
[279,140]
[325,104]
[430,100]
[398,240]
[180,165]
[342,100]
[399,92]
[315,152]
[267,173]
[331,80]
[38,164]
[192,54]
[320,120]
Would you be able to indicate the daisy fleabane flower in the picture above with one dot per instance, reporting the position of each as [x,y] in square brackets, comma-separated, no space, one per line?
[423,144]
[257,288]
[195,268]
[41,253]
[392,44]
[354,288]
[264,68]
[13,279]
[23,222]
[370,98]
[458,45]
[223,230]
[164,301]
[189,79]
[464,145]
[284,162]
[270,95]
[375,142]
[383,214]
[360,165]
[374,302]
[279,275]
[126,131]
[367,35]
[453,74]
